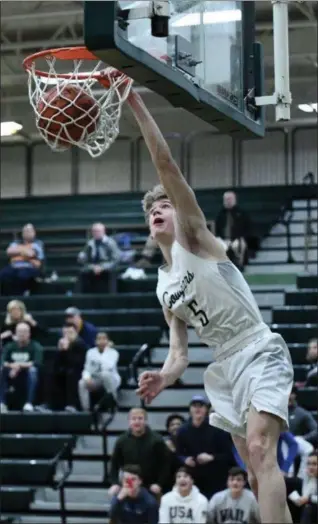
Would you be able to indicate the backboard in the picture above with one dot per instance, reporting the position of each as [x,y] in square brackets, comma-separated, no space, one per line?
[201,55]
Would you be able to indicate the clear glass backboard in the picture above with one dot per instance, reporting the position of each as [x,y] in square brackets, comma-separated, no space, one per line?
[209,53]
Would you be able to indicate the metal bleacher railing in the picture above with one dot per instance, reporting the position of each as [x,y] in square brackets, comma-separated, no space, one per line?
[308,229]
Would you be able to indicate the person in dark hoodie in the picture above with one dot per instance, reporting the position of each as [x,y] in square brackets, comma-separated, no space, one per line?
[233,228]
[62,384]
[85,330]
[205,449]
[140,445]
[133,504]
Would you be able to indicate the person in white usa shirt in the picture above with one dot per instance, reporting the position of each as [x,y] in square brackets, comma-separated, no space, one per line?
[184,504]
[100,371]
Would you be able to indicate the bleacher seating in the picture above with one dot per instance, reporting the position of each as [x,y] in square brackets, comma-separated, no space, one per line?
[63,222]
[30,443]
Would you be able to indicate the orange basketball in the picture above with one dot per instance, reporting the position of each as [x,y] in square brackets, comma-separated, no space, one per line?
[67,113]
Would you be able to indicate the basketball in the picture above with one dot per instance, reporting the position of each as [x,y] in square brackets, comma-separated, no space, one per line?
[67,114]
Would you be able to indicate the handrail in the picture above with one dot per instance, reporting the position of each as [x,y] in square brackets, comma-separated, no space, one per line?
[308,179]
[113,408]
[287,214]
[144,351]
[60,485]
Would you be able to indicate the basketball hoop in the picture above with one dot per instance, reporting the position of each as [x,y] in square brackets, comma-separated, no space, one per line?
[99,128]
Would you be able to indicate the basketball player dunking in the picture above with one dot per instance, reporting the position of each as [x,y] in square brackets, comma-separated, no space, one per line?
[249,382]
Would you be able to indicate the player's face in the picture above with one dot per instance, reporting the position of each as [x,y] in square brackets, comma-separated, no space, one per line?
[183,481]
[161,220]
[236,484]
[312,466]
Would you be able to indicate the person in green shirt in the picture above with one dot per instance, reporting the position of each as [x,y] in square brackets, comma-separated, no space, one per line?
[21,360]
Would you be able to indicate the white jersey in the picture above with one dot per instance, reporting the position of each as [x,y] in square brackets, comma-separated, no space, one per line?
[97,363]
[213,297]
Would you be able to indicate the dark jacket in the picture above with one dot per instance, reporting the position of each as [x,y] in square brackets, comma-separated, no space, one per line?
[241,223]
[191,441]
[88,333]
[302,423]
[73,357]
[141,510]
[148,451]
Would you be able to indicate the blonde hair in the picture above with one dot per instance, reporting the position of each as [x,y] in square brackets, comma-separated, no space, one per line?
[156,193]
[15,304]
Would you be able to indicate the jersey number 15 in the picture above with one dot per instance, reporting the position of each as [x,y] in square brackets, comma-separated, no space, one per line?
[193,305]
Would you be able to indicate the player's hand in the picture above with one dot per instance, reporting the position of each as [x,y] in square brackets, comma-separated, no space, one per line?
[189,461]
[114,489]
[155,489]
[150,383]
[204,458]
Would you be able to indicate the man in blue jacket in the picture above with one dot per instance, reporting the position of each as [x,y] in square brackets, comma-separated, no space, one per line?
[85,330]
[133,504]
[205,449]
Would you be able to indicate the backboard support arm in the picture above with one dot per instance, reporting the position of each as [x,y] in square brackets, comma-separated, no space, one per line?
[282,97]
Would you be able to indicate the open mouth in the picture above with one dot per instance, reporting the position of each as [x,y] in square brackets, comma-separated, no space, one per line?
[158,221]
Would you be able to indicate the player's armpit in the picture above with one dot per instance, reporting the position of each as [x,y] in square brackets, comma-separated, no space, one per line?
[177,359]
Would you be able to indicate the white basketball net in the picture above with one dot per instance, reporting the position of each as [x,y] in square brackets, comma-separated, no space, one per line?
[109,101]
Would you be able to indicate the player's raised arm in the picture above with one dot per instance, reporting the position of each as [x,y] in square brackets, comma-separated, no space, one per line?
[151,383]
[180,194]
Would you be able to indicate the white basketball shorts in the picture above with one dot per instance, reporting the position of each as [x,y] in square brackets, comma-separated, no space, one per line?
[261,374]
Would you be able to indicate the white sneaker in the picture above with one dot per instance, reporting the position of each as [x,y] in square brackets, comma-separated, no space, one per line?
[28,407]
[3,408]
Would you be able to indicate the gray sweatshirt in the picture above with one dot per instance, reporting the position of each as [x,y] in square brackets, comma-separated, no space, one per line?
[223,509]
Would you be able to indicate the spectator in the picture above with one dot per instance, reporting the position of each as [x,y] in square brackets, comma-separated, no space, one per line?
[184,503]
[100,371]
[85,330]
[26,257]
[304,450]
[143,446]
[301,421]
[286,440]
[312,359]
[235,504]
[205,449]
[173,423]
[16,313]
[233,228]
[67,367]
[307,501]
[133,504]
[21,360]
[99,258]
[148,252]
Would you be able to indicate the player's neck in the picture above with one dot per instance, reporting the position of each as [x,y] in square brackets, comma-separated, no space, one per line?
[166,252]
